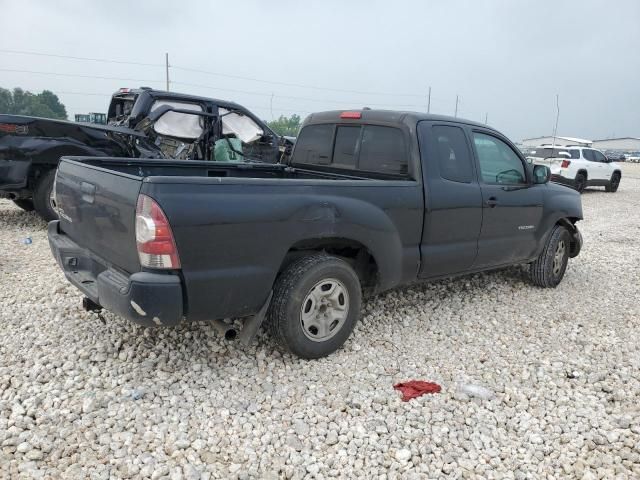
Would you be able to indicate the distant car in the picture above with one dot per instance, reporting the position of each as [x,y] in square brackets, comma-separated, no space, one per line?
[578,167]
[615,156]
[633,157]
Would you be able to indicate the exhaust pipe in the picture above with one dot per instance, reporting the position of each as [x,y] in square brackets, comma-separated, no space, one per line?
[227,331]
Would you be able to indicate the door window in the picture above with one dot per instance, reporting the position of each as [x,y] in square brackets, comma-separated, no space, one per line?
[588,155]
[498,162]
[453,153]
[599,157]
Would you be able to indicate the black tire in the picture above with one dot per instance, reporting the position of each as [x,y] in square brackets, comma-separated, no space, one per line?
[614,183]
[25,204]
[548,269]
[294,290]
[580,183]
[42,196]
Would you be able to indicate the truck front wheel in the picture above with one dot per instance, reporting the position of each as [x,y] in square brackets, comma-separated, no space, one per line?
[42,199]
[316,304]
[548,269]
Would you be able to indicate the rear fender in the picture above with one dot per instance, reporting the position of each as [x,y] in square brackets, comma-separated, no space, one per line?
[360,222]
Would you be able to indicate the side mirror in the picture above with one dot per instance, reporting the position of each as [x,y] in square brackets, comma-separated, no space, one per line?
[541,174]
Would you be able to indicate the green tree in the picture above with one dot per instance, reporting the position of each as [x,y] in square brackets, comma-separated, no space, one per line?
[286,125]
[20,102]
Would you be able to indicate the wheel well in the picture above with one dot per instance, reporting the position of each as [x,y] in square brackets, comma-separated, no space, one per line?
[570,224]
[583,172]
[37,172]
[353,252]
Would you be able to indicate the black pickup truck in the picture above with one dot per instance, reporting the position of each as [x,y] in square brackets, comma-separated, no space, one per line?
[369,200]
[142,123]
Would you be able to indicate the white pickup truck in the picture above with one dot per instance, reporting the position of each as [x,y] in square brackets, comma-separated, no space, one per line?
[578,167]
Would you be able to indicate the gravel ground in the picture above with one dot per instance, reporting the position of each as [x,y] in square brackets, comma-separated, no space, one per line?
[80,398]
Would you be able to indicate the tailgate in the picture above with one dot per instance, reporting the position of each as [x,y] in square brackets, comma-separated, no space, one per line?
[97,209]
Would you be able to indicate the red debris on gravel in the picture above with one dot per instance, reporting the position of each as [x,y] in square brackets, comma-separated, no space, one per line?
[415,388]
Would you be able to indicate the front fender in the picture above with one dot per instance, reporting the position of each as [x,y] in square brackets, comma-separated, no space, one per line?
[562,205]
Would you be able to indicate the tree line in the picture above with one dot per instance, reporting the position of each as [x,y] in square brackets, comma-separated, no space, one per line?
[45,104]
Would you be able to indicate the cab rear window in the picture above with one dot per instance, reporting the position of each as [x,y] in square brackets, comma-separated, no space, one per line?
[365,148]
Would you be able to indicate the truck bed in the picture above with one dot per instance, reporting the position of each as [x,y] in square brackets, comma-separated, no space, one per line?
[233,223]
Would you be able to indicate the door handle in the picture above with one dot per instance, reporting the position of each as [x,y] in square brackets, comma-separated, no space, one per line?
[492,202]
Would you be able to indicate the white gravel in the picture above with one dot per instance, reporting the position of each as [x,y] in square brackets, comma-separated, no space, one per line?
[559,371]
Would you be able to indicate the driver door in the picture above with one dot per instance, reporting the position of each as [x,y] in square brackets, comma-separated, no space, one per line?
[511,203]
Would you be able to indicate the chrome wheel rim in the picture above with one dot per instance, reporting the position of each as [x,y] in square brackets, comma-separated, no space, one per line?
[324,310]
[558,257]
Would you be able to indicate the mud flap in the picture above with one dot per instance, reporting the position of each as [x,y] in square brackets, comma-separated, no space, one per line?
[252,324]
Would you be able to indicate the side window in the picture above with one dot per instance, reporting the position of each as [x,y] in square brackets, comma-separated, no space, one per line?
[498,162]
[588,155]
[383,150]
[313,145]
[453,154]
[345,152]
[599,156]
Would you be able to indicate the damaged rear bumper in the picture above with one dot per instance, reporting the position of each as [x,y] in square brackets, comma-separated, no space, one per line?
[149,299]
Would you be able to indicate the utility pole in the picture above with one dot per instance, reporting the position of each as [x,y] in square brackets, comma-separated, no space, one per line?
[271,107]
[429,102]
[456,113]
[555,129]
[166,68]
[486,115]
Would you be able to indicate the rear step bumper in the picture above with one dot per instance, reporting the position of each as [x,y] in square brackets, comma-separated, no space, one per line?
[149,299]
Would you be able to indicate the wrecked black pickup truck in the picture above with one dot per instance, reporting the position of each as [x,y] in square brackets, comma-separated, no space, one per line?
[368,201]
[142,123]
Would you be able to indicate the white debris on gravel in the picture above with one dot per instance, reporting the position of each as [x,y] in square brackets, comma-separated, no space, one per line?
[80,398]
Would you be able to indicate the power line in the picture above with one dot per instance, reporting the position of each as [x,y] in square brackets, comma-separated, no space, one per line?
[79,76]
[286,84]
[70,57]
[208,72]
[265,94]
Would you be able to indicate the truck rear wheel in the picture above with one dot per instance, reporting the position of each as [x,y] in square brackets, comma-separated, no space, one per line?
[42,196]
[316,304]
[548,269]
[25,204]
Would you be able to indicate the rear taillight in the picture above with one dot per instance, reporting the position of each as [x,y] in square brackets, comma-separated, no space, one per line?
[156,245]
[565,164]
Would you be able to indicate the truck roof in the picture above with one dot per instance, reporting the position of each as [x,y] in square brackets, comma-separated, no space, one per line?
[180,96]
[385,116]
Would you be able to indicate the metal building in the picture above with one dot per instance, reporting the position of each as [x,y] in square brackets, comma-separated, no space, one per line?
[560,141]
[624,144]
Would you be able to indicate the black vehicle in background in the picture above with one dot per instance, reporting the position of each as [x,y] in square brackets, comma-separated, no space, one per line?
[368,201]
[615,156]
[142,123]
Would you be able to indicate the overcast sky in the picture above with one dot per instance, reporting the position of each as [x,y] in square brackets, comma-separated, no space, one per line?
[507,59]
